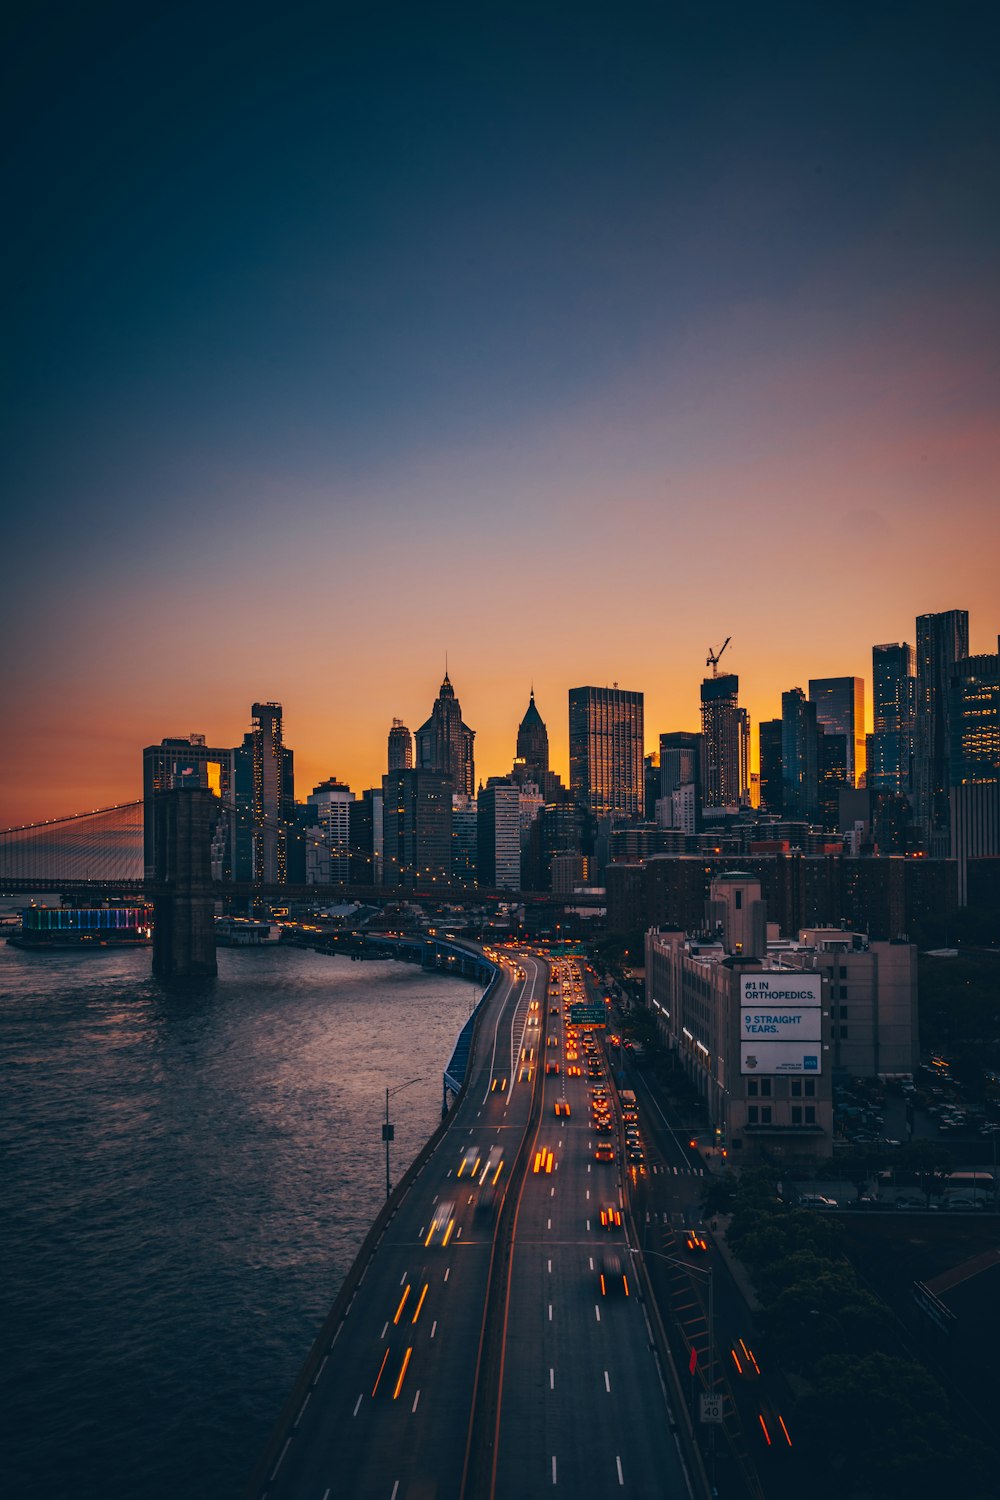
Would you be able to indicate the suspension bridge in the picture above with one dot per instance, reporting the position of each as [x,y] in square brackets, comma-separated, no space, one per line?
[180,857]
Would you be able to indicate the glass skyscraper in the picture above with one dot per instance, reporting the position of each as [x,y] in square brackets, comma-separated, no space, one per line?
[606,751]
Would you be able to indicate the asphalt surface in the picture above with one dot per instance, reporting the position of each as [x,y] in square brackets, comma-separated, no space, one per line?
[574,1398]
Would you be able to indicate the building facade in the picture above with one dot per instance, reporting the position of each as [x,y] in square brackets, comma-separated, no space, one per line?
[328,834]
[416,829]
[606,751]
[265,799]
[840,709]
[894,698]
[500,835]
[400,747]
[942,642]
[974,763]
[799,757]
[725,736]
[175,763]
[445,743]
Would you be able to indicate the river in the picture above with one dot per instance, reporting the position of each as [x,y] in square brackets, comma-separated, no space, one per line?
[185,1176]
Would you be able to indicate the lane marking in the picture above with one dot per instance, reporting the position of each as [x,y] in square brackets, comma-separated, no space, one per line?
[285,1450]
[302,1408]
[552,1192]
[434,1327]
[550,1268]
[588,1195]
[588,1226]
[395,1491]
[552,1378]
[447,1273]
[607,1382]
[621,1477]
[384,1328]
[357,1404]
[597,1311]
[415,1400]
[549,1224]
[553,1468]
[591,1262]
[550,1312]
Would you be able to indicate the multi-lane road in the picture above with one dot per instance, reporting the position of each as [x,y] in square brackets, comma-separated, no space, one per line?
[480,1355]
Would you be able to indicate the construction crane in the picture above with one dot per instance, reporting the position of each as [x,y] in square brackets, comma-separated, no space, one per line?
[713,656]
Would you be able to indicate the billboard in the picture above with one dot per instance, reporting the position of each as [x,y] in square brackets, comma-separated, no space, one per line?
[782,988]
[770,1058]
[780,1023]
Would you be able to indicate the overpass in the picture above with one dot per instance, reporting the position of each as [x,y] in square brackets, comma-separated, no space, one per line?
[472,1353]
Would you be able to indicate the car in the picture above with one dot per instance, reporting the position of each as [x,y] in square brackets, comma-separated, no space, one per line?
[553,1010]
[635,1154]
[493,1168]
[612,1277]
[551,1067]
[486,1202]
[499,1086]
[543,1160]
[816,1200]
[695,1238]
[442,1224]
[392,1367]
[909,1202]
[604,1152]
[574,1070]
[562,1106]
[602,1125]
[611,1217]
[470,1162]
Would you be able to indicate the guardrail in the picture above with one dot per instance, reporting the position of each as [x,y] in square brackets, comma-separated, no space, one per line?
[283,1431]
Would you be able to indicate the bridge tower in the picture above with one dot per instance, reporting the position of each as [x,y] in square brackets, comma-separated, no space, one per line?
[184,899]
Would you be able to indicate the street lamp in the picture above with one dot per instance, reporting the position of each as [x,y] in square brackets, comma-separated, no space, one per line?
[389,1131]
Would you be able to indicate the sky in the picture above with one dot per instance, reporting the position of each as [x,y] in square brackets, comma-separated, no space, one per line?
[565,340]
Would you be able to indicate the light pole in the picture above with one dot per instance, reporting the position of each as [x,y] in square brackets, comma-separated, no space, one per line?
[388,1131]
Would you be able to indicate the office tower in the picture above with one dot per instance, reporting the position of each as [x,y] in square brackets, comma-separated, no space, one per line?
[974,763]
[328,833]
[680,773]
[444,743]
[840,709]
[365,834]
[725,736]
[769,733]
[650,785]
[190,762]
[799,756]
[416,824]
[400,747]
[499,804]
[265,799]
[564,828]
[894,697]
[834,752]
[942,642]
[605,751]
[533,741]
[464,841]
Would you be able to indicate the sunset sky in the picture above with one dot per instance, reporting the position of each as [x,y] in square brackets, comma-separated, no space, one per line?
[565,339]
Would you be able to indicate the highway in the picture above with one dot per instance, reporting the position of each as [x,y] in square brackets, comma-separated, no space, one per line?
[575,1393]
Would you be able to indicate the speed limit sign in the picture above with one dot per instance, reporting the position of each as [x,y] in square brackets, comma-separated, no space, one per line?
[711,1406]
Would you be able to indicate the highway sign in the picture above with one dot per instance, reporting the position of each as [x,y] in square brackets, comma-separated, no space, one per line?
[587,1015]
[711,1406]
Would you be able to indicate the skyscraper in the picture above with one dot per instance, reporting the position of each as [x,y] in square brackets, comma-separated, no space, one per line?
[840,709]
[771,791]
[328,833]
[400,747]
[725,738]
[190,762]
[681,776]
[265,799]
[974,762]
[499,811]
[445,744]
[605,751]
[416,823]
[894,696]
[942,642]
[799,756]
[533,741]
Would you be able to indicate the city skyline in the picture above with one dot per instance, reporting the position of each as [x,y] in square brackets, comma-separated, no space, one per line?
[563,344]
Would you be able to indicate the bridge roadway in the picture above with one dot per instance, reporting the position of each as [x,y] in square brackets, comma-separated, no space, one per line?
[388,1414]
